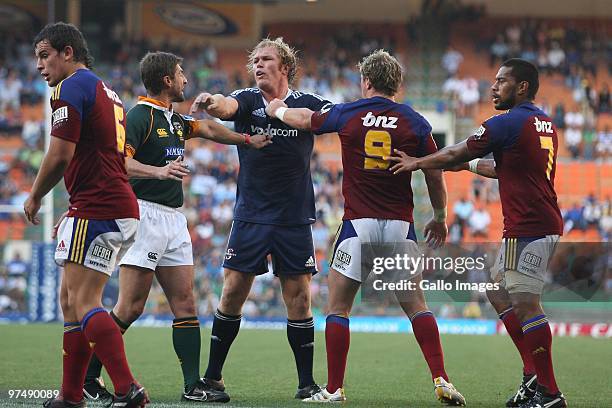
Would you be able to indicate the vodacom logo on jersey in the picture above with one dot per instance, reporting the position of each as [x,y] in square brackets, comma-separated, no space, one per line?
[388,122]
[269,130]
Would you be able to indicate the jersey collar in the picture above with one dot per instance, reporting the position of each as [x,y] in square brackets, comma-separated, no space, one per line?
[157,104]
[166,109]
[289,93]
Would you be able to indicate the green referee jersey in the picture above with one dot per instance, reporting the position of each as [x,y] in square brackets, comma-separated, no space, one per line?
[155,135]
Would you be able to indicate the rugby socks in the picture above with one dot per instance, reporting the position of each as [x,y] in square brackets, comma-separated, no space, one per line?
[337,341]
[76,354]
[187,342]
[95,365]
[300,334]
[426,332]
[224,331]
[105,339]
[538,339]
[513,327]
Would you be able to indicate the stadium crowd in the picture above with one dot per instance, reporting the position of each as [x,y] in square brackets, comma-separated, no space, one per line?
[575,54]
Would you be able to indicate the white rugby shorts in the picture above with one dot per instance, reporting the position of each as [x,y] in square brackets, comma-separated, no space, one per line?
[386,238]
[521,263]
[96,244]
[162,238]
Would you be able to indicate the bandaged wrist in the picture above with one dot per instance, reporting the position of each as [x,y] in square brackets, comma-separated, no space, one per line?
[439,214]
[473,165]
[280,112]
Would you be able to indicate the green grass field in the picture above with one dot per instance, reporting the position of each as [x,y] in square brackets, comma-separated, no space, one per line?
[384,370]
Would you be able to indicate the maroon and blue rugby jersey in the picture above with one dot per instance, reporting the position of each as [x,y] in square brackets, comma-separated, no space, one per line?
[524,144]
[91,115]
[369,130]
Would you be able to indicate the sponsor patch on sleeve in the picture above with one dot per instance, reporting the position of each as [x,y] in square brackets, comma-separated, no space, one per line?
[481,131]
[59,116]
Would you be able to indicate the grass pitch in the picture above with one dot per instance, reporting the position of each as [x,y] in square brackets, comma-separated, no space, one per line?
[384,370]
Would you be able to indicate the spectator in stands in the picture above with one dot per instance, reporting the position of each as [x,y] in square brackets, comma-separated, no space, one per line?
[592,211]
[574,219]
[17,267]
[574,123]
[468,97]
[589,139]
[479,222]
[451,60]
[604,143]
[543,63]
[559,115]
[556,58]
[603,99]
[472,310]
[499,51]
[463,210]
[320,234]
[10,91]
[530,54]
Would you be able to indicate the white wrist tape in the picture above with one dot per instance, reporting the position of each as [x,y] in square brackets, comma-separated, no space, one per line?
[280,112]
[474,165]
[439,214]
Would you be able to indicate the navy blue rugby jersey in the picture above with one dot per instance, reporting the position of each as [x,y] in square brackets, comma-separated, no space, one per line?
[274,183]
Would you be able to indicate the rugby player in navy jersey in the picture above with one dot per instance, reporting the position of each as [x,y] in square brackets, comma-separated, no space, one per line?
[524,144]
[274,210]
[378,209]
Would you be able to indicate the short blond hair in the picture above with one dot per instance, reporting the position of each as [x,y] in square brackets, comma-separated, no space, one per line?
[287,54]
[383,71]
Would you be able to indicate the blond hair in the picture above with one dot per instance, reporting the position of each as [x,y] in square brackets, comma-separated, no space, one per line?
[383,71]
[288,55]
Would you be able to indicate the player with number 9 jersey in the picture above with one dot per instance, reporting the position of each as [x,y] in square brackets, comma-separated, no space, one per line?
[369,129]
[88,113]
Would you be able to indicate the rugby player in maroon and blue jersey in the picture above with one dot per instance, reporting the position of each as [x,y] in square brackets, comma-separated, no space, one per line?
[524,144]
[87,148]
[378,209]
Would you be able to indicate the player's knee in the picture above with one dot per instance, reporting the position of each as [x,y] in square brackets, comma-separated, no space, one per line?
[525,309]
[298,305]
[234,295]
[129,312]
[183,304]
[231,303]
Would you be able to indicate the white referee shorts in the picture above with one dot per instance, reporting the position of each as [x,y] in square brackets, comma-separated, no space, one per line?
[162,238]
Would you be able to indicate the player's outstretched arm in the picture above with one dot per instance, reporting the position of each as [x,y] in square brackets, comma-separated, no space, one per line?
[444,158]
[219,106]
[486,168]
[298,118]
[51,171]
[436,230]
[482,167]
[174,170]
[211,130]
